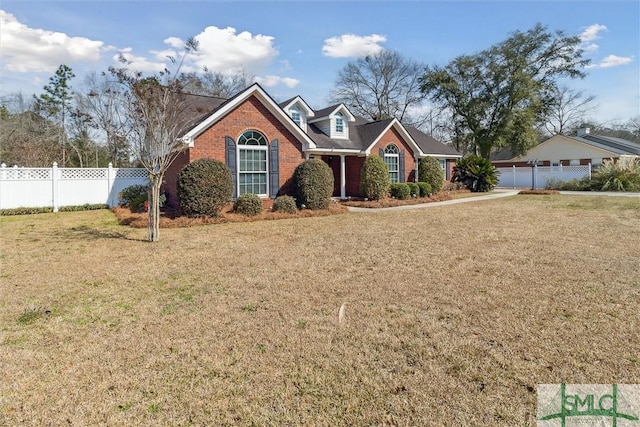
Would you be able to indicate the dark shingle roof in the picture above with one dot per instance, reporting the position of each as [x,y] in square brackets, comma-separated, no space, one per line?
[325,111]
[617,145]
[199,107]
[430,145]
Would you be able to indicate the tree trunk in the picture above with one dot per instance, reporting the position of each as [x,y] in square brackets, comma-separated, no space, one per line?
[154,208]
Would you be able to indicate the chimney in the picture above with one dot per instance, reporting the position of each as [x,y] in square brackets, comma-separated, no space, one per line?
[583,131]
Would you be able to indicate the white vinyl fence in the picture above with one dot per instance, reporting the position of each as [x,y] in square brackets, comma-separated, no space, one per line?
[55,187]
[537,176]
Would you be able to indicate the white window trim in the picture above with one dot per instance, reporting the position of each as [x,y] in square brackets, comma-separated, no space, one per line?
[265,148]
[395,155]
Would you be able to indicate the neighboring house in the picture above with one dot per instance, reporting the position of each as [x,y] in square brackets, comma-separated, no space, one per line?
[263,142]
[582,149]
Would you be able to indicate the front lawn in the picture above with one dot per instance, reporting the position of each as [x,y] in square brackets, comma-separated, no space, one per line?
[450,315]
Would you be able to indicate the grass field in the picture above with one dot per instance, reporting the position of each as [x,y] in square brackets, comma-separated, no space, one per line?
[450,315]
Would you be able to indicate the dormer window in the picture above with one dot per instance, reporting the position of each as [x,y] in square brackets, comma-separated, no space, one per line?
[296,116]
[339,123]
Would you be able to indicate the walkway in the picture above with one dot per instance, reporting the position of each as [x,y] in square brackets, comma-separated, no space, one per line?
[495,194]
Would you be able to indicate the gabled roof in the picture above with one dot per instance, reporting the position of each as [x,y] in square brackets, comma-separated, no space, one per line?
[591,145]
[327,112]
[616,145]
[204,111]
[363,135]
[228,106]
[378,129]
[297,100]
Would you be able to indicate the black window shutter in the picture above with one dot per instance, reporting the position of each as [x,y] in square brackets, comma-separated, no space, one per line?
[401,166]
[230,157]
[274,173]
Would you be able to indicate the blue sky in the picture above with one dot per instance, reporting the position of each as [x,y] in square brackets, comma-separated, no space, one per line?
[298,47]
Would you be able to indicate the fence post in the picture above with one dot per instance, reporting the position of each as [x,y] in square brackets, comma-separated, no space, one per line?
[534,185]
[110,183]
[514,175]
[589,171]
[54,186]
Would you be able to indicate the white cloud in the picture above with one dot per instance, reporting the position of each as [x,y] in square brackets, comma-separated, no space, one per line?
[223,50]
[271,81]
[351,45]
[590,33]
[27,49]
[612,61]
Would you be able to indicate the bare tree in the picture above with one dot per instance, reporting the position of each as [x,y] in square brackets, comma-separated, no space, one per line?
[100,99]
[566,108]
[382,86]
[155,112]
[26,138]
[216,84]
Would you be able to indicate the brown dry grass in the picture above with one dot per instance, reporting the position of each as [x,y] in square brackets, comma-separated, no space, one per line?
[451,315]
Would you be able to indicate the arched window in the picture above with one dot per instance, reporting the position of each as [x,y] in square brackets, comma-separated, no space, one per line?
[339,123]
[391,159]
[252,163]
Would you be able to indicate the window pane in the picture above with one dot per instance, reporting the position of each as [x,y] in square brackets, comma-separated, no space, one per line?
[255,183]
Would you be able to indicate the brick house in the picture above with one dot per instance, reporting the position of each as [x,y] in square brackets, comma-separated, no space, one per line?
[263,142]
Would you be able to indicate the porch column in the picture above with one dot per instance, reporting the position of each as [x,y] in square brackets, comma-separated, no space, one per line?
[343,177]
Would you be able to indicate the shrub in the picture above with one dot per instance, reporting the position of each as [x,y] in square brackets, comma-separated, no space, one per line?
[429,171]
[85,207]
[374,178]
[133,197]
[617,176]
[414,190]
[400,190]
[425,189]
[314,184]
[25,211]
[285,204]
[204,187]
[476,173]
[248,204]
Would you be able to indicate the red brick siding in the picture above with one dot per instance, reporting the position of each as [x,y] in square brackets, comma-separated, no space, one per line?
[393,137]
[352,170]
[250,115]
[171,178]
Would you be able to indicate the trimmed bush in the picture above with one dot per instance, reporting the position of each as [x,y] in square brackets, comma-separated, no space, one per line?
[285,204]
[374,178]
[314,184]
[25,211]
[204,187]
[400,190]
[414,189]
[248,204]
[429,171]
[133,197]
[476,173]
[425,189]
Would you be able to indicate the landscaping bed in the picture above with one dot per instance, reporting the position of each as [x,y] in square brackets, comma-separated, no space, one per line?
[171,219]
